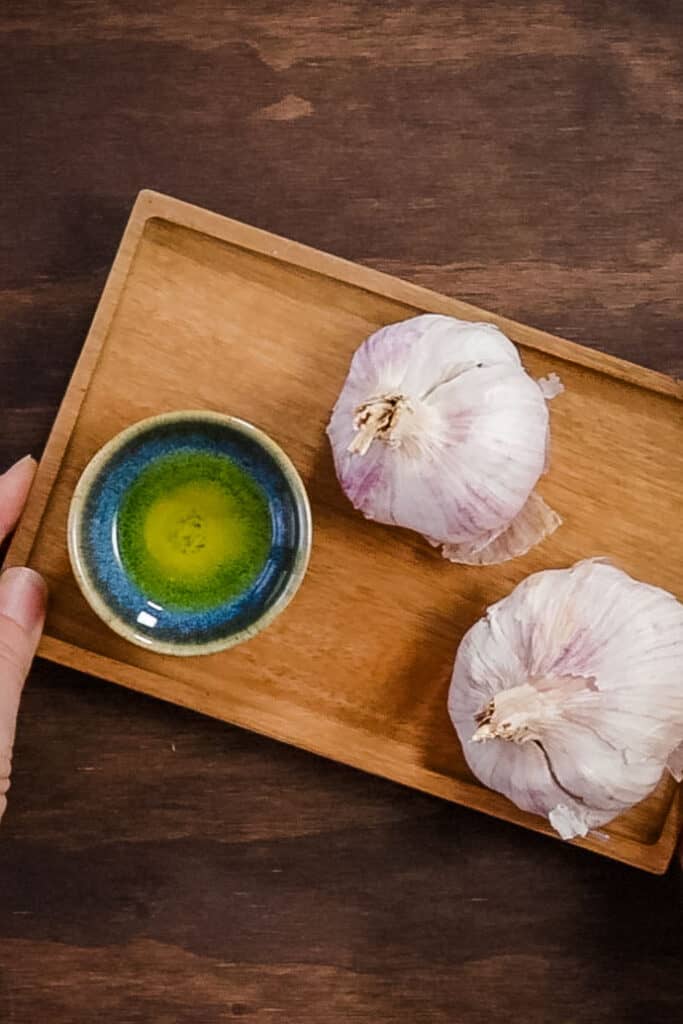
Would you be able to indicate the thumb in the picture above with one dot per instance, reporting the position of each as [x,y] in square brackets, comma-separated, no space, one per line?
[23,596]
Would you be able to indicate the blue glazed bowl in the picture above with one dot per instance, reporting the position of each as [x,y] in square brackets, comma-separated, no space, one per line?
[93,534]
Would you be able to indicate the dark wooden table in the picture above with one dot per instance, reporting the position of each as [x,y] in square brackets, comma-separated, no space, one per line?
[156,866]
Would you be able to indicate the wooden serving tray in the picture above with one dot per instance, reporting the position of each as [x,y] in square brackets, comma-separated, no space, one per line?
[204,312]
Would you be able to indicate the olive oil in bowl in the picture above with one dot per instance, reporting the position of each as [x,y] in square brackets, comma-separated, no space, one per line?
[194,530]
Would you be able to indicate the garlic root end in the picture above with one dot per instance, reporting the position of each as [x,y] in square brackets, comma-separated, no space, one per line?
[375,418]
[513,714]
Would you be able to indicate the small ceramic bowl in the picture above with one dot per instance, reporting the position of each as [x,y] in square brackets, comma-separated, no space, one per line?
[189,532]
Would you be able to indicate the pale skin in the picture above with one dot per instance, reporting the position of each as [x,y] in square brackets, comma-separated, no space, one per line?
[23,598]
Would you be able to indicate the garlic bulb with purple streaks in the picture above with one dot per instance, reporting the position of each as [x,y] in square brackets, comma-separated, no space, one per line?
[439,429]
[568,696]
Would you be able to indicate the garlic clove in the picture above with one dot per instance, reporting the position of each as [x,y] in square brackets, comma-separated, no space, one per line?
[594,772]
[534,523]
[441,355]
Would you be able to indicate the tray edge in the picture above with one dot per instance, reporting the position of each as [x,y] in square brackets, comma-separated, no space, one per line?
[149,205]
[164,207]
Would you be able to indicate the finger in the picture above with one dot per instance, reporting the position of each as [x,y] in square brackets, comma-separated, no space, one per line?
[23,598]
[14,487]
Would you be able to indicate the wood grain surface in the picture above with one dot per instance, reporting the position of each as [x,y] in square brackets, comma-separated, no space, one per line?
[159,866]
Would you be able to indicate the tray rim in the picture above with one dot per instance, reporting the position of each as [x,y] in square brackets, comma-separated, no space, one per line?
[151,205]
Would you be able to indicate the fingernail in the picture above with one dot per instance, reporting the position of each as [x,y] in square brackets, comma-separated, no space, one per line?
[15,466]
[23,596]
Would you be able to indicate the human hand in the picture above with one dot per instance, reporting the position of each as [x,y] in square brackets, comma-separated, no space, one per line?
[23,597]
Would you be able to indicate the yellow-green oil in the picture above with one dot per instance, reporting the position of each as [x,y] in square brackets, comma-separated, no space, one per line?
[194,530]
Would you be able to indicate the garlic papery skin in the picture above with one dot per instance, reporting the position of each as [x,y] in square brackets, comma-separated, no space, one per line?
[439,429]
[567,696]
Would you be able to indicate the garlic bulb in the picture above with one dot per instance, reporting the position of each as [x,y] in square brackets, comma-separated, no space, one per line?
[439,429]
[568,696]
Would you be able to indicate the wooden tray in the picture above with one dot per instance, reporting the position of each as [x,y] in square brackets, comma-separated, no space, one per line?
[201,311]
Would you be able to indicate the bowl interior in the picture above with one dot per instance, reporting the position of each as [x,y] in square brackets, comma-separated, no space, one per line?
[156,458]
